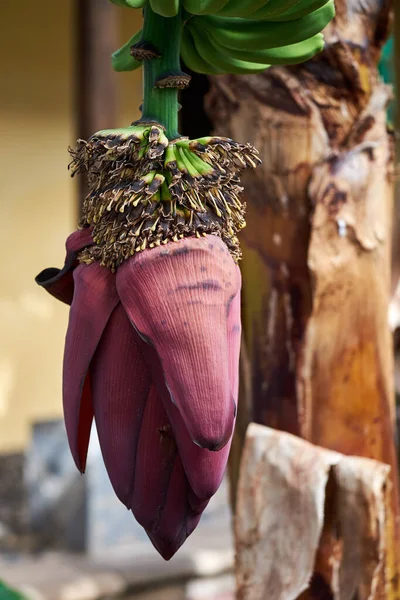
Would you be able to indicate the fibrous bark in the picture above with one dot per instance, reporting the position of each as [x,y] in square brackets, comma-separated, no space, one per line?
[291,495]
[317,249]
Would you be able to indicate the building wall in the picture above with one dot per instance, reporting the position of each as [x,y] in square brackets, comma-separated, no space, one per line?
[38,201]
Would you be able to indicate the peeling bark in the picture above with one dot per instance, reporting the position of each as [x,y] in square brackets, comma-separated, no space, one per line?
[292,495]
[317,250]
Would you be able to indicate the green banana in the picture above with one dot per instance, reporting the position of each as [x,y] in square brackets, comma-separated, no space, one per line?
[246,34]
[165,193]
[204,7]
[199,164]
[170,158]
[122,60]
[241,8]
[284,55]
[130,3]
[190,168]
[272,8]
[276,32]
[192,58]
[148,178]
[223,62]
[301,9]
[165,8]
[181,164]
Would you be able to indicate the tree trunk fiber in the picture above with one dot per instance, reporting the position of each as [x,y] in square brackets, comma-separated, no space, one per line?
[317,253]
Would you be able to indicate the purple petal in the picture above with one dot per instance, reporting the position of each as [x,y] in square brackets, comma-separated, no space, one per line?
[95,298]
[162,500]
[204,469]
[59,282]
[155,458]
[120,387]
[171,530]
[234,339]
[180,516]
[179,298]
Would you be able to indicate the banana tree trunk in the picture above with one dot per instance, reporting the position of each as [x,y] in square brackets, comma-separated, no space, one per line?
[317,251]
[396,68]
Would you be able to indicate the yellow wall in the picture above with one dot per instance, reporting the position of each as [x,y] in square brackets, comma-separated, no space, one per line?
[129,84]
[37,202]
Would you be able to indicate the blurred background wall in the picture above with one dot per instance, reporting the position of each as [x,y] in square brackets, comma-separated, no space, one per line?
[39,201]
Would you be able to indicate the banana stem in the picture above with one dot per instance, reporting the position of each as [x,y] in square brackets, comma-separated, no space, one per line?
[161,104]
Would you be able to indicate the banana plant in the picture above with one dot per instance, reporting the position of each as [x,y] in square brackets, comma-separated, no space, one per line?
[152,347]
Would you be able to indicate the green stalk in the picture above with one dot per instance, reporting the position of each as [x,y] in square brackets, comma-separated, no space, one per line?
[161,104]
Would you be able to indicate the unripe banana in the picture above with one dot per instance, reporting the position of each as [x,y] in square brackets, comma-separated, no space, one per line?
[245,34]
[200,165]
[301,9]
[273,8]
[122,59]
[181,164]
[189,164]
[204,7]
[165,8]
[170,158]
[192,58]
[224,62]
[241,8]
[285,55]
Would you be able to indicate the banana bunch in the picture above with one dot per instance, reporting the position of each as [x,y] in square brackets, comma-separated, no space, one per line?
[180,157]
[240,36]
[248,9]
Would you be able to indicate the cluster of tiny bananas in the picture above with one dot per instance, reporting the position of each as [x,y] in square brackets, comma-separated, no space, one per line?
[238,36]
[145,190]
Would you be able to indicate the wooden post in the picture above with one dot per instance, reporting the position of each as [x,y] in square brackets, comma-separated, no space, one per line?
[96,40]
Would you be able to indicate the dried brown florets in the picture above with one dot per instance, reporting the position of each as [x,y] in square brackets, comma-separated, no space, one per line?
[177,80]
[145,191]
[144,51]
